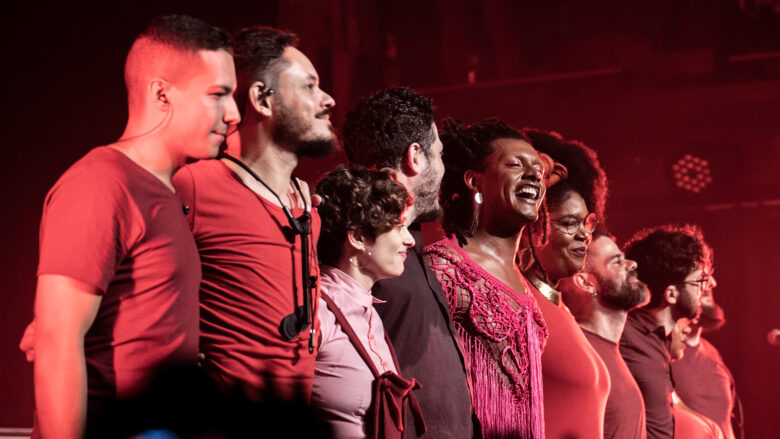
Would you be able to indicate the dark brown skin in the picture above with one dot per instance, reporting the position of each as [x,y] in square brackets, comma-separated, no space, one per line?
[512,165]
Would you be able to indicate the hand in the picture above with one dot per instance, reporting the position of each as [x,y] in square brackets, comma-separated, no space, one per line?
[27,343]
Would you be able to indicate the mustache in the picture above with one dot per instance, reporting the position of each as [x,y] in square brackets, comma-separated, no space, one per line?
[325,112]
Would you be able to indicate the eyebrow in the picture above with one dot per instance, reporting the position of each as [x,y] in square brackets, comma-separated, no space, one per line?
[223,88]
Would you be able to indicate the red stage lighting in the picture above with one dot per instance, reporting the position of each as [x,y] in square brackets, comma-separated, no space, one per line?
[692,173]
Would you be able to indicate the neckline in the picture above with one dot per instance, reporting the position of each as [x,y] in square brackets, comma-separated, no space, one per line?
[517,297]
[232,174]
[140,169]
[352,288]
[547,291]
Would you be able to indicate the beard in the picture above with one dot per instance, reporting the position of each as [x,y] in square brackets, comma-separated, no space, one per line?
[624,295]
[290,130]
[426,198]
[687,305]
[711,318]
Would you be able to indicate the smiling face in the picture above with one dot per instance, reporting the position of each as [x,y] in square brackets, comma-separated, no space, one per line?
[202,105]
[388,252]
[301,110]
[564,253]
[511,185]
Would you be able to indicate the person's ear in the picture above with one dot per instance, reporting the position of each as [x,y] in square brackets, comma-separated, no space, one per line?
[259,98]
[356,239]
[671,293]
[471,179]
[158,92]
[586,282]
[414,161]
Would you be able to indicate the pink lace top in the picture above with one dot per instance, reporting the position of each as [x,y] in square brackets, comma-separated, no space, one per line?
[503,333]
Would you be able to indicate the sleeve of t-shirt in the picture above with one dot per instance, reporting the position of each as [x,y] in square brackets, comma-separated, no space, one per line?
[185,189]
[89,225]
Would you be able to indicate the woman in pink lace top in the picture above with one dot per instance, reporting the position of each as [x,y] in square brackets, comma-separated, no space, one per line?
[492,187]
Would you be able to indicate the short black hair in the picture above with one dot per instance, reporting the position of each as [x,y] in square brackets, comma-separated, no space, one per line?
[186,33]
[258,55]
[380,127]
[666,255]
[466,148]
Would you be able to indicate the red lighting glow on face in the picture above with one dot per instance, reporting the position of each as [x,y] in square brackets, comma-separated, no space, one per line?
[692,173]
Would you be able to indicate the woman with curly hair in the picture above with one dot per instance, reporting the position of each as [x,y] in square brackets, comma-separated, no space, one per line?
[576,380]
[492,187]
[363,239]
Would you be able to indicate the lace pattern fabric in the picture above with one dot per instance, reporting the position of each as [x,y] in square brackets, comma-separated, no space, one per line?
[503,334]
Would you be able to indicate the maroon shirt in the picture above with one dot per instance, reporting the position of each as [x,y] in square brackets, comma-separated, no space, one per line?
[644,348]
[705,384]
[625,414]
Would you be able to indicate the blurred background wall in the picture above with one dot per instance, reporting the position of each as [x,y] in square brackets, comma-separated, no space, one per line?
[645,83]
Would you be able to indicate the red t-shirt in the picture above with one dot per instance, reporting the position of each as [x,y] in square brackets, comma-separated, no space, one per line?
[576,381]
[251,281]
[625,415]
[111,224]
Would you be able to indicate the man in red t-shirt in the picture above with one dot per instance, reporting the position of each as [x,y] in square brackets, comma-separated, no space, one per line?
[600,297]
[117,295]
[252,260]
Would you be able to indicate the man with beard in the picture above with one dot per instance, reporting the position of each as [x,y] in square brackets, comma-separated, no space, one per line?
[600,297]
[701,378]
[394,128]
[249,219]
[671,261]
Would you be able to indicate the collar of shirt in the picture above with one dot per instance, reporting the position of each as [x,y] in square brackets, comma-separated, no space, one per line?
[645,321]
[333,276]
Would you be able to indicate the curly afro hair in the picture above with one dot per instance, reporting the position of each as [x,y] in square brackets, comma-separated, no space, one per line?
[466,148]
[666,255]
[357,198]
[585,174]
[380,127]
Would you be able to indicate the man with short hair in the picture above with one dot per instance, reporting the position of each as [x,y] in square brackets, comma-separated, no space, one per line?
[395,128]
[117,293]
[600,297]
[671,261]
[251,227]
[701,378]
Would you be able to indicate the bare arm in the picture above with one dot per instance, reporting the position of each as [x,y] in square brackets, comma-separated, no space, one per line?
[64,310]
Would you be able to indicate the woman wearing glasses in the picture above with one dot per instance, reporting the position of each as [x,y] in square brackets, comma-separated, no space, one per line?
[576,381]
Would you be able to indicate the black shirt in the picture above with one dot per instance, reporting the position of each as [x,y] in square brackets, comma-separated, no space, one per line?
[416,318]
[644,348]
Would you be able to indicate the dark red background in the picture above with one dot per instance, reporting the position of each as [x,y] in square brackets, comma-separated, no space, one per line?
[642,82]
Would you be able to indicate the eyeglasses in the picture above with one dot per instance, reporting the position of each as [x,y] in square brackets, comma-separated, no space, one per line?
[703,283]
[571,225]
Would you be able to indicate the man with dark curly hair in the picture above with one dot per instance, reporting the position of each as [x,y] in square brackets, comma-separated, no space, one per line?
[395,128]
[701,377]
[672,262]
[248,217]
